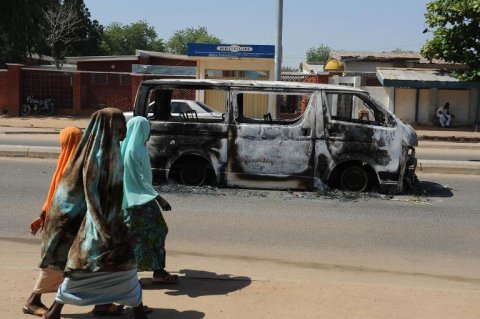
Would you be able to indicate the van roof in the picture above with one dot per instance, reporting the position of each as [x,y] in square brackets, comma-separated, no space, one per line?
[247,83]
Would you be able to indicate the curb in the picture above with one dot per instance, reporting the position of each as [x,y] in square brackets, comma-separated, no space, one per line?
[448,145]
[29,151]
[448,167]
[423,166]
[457,139]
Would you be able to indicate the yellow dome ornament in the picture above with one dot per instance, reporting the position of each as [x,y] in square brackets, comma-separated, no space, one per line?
[334,65]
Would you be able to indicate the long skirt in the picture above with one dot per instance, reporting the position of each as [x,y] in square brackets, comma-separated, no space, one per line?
[48,280]
[149,231]
[99,288]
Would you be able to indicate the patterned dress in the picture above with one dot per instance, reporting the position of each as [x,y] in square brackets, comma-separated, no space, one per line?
[149,231]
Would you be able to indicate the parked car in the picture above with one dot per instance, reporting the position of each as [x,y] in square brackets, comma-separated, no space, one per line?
[184,110]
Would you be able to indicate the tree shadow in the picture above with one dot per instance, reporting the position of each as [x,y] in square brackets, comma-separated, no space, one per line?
[197,283]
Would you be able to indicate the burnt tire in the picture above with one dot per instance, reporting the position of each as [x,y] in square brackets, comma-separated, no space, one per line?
[25,109]
[354,179]
[193,173]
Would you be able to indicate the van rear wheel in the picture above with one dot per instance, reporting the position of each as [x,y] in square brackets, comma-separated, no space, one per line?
[354,179]
[193,173]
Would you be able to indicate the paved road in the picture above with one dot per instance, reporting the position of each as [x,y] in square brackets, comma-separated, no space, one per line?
[435,234]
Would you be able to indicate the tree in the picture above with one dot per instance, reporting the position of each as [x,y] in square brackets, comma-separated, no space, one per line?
[20,35]
[319,54]
[286,68]
[455,25]
[89,32]
[177,44]
[61,23]
[398,50]
[119,39]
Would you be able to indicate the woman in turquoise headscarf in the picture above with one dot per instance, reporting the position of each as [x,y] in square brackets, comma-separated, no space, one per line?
[85,230]
[142,203]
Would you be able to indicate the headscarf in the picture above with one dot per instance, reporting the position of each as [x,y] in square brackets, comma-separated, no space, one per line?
[137,177]
[85,230]
[69,138]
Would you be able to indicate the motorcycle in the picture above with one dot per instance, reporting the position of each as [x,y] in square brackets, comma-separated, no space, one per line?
[40,106]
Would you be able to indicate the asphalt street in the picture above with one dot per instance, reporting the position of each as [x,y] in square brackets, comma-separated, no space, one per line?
[433,232]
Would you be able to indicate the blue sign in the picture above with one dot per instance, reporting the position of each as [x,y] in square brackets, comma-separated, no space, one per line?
[231,50]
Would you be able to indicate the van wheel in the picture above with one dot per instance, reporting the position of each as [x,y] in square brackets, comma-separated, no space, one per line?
[193,173]
[354,179]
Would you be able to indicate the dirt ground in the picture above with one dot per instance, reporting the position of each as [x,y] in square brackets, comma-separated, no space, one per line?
[226,287]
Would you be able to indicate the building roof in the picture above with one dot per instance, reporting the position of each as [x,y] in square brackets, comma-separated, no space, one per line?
[76,59]
[381,56]
[164,55]
[421,78]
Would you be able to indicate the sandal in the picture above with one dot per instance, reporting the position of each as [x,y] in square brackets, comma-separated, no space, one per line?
[166,279]
[35,312]
[110,310]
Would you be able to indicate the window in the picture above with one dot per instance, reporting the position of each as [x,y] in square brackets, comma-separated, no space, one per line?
[270,107]
[355,108]
[180,105]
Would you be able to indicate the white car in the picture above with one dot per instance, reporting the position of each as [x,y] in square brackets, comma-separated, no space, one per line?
[186,110]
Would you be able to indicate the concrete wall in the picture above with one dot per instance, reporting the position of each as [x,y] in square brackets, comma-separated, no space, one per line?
[463,103]
[459,105]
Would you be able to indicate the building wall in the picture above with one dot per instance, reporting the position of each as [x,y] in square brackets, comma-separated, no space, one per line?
[381,94]
[405,104]
[459,105]
[424,114]
[3,89]
[204,64]
[106,66]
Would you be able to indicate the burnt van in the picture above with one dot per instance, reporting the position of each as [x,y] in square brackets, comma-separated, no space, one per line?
[275,135]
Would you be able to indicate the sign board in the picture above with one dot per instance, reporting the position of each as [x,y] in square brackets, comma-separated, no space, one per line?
[231,50]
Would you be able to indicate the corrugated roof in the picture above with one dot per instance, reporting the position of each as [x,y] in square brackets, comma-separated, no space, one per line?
[381,56]
[420,78]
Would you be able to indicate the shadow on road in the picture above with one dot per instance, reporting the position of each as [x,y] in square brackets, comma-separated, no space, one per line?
[197,283]
[432,189]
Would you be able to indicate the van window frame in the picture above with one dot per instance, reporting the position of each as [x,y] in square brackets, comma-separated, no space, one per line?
[239,119]
[369,102]
[146,94]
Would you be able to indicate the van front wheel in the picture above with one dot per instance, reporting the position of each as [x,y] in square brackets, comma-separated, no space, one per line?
[354,179]
[193,173]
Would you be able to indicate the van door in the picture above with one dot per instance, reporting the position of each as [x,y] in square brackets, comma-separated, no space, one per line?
[271,141]
[359,131]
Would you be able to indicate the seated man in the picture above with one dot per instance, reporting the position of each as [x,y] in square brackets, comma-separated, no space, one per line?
[444,116]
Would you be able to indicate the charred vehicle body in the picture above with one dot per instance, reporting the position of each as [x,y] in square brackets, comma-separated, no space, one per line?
[280,135]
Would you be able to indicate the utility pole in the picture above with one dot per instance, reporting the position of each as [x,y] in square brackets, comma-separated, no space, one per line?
[278,45]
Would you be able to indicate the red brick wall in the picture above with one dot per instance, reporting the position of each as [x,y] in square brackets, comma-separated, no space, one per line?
[3,90]
[14,89]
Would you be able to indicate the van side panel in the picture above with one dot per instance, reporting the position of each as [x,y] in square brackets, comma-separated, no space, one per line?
[171,141]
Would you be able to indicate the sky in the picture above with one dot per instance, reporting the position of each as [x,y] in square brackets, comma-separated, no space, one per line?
[352,25]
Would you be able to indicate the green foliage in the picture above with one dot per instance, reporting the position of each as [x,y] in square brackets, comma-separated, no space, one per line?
[177,44]
[318,54]
[89,32]
[122,39]
[289,69]
[455,25]
[20,34]
[398,50]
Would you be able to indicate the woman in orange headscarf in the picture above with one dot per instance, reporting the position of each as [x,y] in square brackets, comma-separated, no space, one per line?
[50,279]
